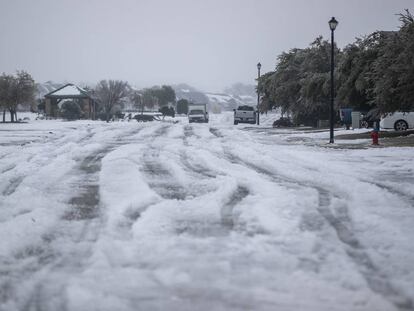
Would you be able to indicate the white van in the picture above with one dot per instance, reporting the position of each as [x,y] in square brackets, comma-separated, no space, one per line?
[400,121]
[197,113]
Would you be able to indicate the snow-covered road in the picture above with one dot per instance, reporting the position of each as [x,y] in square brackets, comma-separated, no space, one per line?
[178,216]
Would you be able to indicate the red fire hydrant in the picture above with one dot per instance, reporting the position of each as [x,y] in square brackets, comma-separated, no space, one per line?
[375,136]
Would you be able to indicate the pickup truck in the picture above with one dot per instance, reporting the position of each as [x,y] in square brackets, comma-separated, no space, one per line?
[244,114]
[197,113]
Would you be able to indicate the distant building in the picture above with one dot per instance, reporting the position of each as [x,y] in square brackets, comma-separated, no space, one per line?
[70,92]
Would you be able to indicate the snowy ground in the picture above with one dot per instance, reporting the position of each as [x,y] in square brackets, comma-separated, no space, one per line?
[164,216]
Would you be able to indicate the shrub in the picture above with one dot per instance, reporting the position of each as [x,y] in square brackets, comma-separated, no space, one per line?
[71,110]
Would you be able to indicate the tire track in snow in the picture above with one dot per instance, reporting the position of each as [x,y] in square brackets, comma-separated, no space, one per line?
[196,168]
[377,280]
[279,179]
[7,169]
[217,227]
[31,260]
[5,155]
[81,227]
[88,136]
[216,132]
[12,186]
[407,197]
[228,219]
[165,184]
[188,132]
[85,204]
[16,181]
[161,180]
[162,130]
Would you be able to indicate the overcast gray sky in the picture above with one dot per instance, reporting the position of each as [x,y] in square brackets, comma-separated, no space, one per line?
[209,44]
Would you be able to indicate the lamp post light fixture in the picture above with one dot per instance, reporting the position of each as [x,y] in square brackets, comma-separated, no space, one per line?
[332,25]
[258,92]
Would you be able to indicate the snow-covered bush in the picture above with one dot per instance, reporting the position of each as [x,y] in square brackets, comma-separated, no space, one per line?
[71,110]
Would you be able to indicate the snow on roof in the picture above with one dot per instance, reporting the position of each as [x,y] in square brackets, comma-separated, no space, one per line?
[69,90]
[219,97]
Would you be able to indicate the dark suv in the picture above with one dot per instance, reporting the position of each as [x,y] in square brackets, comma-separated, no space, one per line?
[283,122]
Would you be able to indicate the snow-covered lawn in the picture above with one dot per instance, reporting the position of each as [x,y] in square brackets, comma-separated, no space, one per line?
[173,216]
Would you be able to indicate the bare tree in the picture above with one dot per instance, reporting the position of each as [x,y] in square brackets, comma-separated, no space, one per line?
[6,84]
[15,90]
[136,99]
[110,93]
[23,92]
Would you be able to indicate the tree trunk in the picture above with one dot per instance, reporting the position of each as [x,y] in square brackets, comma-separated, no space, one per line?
[11,116]
[4,115]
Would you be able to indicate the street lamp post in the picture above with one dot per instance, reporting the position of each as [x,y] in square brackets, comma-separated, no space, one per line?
[332,25]
[258,92]
[141,99]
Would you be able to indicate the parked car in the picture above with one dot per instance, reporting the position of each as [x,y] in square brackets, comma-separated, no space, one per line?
[244,114]
[145,118]
[370,117]
[400,121]
[283,122]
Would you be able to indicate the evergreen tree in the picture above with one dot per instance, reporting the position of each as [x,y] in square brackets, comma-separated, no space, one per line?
[356,81]
[394,69]
[377,70]
[182,106]
[300,83]
[165,95]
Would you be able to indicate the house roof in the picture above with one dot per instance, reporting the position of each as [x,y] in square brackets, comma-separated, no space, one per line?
[69,91]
